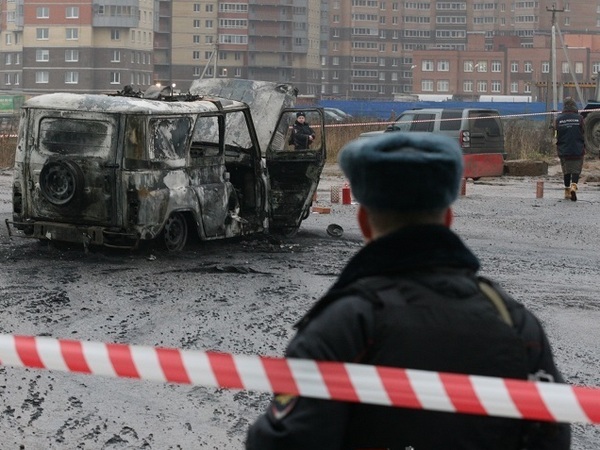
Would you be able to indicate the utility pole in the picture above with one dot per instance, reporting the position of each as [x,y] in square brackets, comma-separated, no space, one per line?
[553,10]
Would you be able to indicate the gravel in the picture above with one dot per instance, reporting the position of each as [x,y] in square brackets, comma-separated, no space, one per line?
[243,296]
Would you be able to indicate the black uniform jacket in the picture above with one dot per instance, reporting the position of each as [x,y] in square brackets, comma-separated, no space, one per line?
[570,142]
[432,316]
[301,132]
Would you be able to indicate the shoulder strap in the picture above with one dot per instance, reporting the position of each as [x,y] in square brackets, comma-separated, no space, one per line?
[493,296]
[367,288]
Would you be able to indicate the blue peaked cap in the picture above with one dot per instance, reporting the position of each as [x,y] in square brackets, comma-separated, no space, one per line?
[403,171]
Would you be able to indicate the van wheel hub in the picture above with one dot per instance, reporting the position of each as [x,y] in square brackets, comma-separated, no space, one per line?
[175,232]
[60,182]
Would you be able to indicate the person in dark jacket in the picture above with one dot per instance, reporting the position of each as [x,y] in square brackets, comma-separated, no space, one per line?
[302,134]
[411,298]
[569,126]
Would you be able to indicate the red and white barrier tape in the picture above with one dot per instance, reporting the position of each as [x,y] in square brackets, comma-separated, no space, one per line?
[387,386]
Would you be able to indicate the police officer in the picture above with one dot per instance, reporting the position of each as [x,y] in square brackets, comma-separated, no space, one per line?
[570,145]
[411,298]
[302,134]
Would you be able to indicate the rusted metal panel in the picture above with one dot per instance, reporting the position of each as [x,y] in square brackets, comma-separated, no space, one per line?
[483,165]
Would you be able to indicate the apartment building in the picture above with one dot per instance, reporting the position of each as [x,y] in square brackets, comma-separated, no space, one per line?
[75,46]
[509,68]
[359,49]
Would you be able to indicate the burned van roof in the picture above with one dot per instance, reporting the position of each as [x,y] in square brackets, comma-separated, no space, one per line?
[120,104]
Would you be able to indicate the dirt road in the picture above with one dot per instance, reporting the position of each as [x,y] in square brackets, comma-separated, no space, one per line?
[243,297]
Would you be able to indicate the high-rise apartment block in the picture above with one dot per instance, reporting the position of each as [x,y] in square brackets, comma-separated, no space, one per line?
[369,49]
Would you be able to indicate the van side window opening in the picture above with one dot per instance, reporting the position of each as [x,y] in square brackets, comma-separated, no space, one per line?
[169,138]
[134,138]
[236,131]
[205,140]
[68,136]
[450,120]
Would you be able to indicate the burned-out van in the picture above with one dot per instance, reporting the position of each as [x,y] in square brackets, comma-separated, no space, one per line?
[114,170]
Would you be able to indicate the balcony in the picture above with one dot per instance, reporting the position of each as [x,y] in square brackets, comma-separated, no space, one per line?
[105,14]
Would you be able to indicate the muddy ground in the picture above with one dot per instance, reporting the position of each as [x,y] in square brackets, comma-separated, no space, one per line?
[243,297]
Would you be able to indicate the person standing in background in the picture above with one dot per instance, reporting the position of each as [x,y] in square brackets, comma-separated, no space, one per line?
[302,134]
[570,145]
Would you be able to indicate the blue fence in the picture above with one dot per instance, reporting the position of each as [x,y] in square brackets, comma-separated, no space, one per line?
[384,110]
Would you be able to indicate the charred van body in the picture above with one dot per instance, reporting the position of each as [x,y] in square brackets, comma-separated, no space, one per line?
[113,170]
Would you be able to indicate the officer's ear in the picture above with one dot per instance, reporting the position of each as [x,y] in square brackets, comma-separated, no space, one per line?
[364,224]
[448,217]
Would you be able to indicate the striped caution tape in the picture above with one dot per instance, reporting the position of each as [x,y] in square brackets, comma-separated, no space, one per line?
[455,393]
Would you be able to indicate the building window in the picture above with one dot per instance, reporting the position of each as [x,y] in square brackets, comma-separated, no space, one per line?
[209,7]
[578,67]
[443,85]
[115,34]
[17,78]
[482,66]
[514,66]
[71,55]
[468,86]
[335,61]
[115,78]
[208,24]
[196,38]
[545,67]
[527,88]
[42,12]
[496,66]
[565,67]
[8,59]
[427,66]
[482,86]
[116,56]
[496,87]
[71,77]
[195,54]
[41,77]
[7,79]
[196,7]
[42,55]
[468,66]
[514,87]
[72,12]
[427,85]
[443,66]
[528,67]
[42,34]
[72,34]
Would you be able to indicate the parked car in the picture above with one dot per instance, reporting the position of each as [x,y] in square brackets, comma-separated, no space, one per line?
[114,170]
[477,130]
